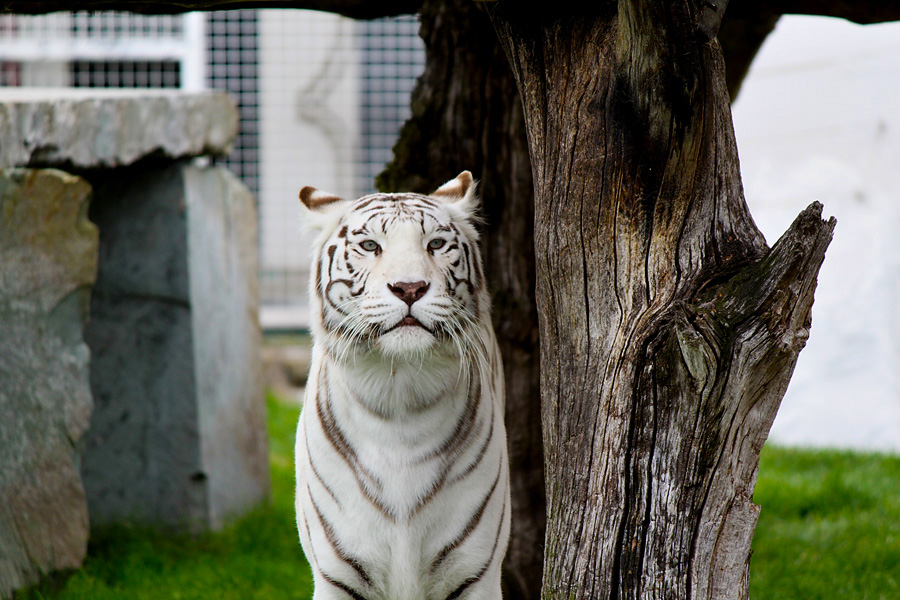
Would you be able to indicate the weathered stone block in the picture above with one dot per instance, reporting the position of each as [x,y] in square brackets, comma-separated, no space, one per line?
[88,129]
[223,264]
[178,434]
[48,251]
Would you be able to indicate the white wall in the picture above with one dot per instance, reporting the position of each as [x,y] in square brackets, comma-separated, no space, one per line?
[818,118]
[308,132]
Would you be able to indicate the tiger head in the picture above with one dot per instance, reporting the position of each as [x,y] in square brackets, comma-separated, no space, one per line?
[398,274]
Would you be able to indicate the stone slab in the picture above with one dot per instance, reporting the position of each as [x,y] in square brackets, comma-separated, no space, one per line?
[88,129]
[48,252]
[178,435]
[223,266]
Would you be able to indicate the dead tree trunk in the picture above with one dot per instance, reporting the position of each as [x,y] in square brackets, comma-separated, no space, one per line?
[669,330]
[467,115]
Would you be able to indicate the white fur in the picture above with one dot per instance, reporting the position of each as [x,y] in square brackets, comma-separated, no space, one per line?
[397,398]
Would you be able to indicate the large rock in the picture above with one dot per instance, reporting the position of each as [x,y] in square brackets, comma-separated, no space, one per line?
[48,251]
[178,434]
[84,129]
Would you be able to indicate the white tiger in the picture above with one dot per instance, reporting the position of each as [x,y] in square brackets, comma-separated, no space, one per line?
[401,459]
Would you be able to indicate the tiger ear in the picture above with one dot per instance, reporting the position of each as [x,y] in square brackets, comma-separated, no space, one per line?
[456,189]
[459,192]
[314,199]
[321,210]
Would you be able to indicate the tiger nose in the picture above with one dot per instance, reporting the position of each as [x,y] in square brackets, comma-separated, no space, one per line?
[409,292]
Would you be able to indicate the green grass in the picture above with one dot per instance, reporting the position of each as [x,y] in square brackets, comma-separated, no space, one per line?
[829,529]
[255,558]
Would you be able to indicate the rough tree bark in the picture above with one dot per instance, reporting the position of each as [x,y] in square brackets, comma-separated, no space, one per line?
[467,115]
[668,328]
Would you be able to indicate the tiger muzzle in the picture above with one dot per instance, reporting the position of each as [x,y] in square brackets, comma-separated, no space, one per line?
[409,292]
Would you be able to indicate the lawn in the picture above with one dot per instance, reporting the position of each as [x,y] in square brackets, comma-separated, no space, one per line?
[829,529]
[256,558]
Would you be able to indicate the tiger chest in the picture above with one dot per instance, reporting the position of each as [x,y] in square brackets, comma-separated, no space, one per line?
[402,495]
[401,466]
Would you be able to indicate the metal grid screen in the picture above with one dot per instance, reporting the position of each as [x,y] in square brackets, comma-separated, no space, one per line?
[125,74]
[105,49]
[321,100]
[334,94]
[119,26]
[233,65]
[392,57]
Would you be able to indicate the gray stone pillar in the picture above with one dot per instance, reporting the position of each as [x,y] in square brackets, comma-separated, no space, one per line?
[48,260]
[177,436]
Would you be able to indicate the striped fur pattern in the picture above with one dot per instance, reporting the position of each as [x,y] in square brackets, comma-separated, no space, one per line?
[402,472]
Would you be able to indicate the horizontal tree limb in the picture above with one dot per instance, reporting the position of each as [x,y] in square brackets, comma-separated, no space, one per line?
[356,9]
[858,11]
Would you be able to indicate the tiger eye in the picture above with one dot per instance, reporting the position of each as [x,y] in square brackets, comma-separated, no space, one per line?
[369,245]
[436,244]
